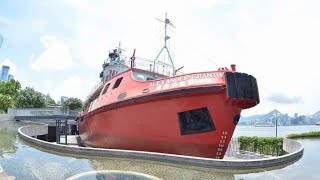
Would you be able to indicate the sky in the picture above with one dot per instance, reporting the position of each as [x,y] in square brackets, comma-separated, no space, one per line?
[58,47]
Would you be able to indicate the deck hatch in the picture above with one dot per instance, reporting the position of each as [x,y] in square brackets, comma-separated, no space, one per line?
[195,121]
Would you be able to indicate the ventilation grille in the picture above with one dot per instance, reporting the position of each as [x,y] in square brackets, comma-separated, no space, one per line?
[195,121]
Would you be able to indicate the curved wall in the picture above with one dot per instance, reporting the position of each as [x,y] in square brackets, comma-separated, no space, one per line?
[294,149]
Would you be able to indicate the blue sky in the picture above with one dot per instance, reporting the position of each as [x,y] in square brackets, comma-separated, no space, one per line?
[58,47]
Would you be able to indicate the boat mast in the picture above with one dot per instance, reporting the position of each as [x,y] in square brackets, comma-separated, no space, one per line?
[166,23]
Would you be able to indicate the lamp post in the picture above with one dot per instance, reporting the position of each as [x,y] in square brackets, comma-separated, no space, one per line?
[276,115]
[276,127]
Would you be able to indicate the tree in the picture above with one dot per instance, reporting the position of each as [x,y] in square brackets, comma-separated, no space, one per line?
[6,102]
[51,102]
[29,98]
[72,104]
[10,88]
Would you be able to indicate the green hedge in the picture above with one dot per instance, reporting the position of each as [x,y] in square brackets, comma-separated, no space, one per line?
[305,135]
[262,145]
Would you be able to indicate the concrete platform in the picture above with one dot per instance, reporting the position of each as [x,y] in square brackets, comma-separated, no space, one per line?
[293,148]
[4,176]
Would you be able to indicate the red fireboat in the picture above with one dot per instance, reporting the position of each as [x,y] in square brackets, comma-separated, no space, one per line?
[157,110]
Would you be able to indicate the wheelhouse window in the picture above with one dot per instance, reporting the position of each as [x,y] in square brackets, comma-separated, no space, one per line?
[117,83]
[146,76]
[105,88]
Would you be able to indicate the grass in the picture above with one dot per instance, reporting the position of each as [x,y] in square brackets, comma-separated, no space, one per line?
[312,134]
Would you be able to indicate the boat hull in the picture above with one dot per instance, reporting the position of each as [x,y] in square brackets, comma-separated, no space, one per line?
[161,124]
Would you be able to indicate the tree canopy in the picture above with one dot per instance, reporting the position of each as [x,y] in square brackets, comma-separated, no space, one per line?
[30,98]
[51,102]
[72,104]
[11,96]
[6,102]
[10,88]
[8,92]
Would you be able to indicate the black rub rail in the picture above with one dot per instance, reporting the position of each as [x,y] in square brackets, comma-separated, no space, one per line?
[242,86]
[53,117]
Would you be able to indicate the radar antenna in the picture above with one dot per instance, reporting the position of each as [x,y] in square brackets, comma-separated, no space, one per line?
[166,37]
[120,50]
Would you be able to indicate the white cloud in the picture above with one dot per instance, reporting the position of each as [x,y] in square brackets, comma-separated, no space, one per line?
[277,42]
[56,56]
[4,20]
[267,41]
[8,62]
[281,48]
[208,3]
[98,27]
[1,40]
[74,86]
[284,99]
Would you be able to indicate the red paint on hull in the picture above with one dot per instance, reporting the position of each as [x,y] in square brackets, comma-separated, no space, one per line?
[144,115]
[154,126]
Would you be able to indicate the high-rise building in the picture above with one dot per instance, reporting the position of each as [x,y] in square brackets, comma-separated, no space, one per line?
[1,40]
[10,77]
[63,99]
[4,74]
[48,97]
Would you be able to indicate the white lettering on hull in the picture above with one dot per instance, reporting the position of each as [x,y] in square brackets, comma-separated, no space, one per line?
[187,80]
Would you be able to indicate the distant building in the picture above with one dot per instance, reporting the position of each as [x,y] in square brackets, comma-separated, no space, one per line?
[4,74]
[63,99]
[303,119]
[48,97]
[309,120]
[1,40]
[295,121]
[10,77]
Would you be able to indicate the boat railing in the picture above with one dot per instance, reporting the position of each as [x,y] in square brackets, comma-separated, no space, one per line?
[159,67]
[145,64]
[94,88]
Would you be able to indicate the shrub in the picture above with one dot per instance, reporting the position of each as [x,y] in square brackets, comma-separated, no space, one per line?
[262,145]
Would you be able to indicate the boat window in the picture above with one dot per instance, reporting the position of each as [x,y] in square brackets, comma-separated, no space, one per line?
[145,76]
[117,83]
[106,89]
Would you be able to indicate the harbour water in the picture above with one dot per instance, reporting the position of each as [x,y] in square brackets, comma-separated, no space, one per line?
[24,161]
[271,131]
[306,168]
